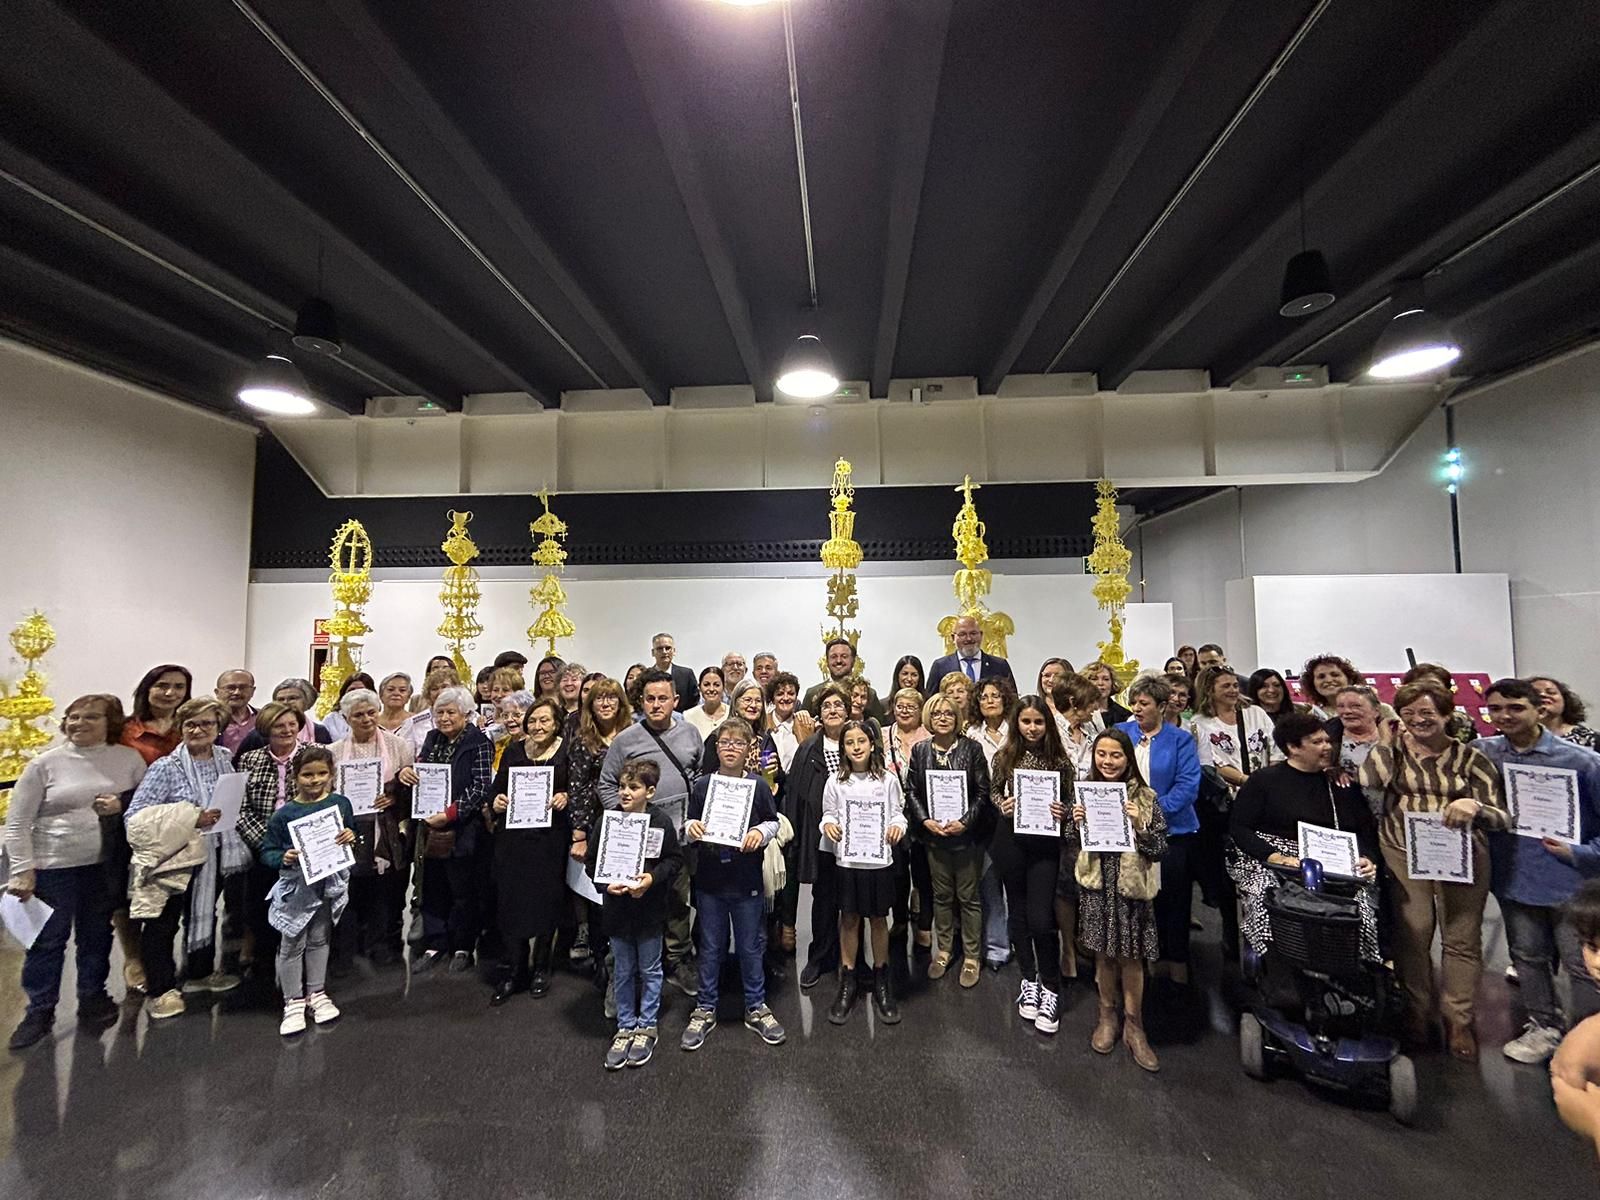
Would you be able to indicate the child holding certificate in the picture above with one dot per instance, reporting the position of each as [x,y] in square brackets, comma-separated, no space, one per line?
[305,913]
[863,819]
[636,920]
[1032,788]
[731,819]
[1116,900]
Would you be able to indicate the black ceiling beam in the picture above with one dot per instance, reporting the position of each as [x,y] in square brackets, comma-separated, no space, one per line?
[643,40]
[920,30]
[1200,25]
[1482,218]
[358,20]
[183,124]
[64,195]
[98,297]
[1578,259]
[1272,222]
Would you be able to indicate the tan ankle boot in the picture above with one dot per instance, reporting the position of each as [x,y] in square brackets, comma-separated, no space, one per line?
[1138,1045]
[786,938]
[1104,1038]
[128,938]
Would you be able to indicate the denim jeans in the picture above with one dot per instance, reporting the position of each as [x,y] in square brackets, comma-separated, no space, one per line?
[748,917]
[1536,936]
[636,961]
[996,927]
[82,906]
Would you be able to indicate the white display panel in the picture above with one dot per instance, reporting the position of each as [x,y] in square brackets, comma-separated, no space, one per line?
[1463,621]
[709,614]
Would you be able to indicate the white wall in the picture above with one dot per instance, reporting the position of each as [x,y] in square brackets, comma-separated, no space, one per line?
[1283,620]
[709,610]
[1529,508]
[127,522]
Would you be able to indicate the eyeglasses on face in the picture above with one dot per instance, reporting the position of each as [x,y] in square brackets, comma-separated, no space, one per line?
[198,726]
[731,743]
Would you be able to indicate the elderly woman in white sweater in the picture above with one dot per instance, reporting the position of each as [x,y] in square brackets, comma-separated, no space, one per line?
[57,853]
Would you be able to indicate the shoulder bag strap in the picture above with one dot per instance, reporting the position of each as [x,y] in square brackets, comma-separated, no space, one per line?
[688,784]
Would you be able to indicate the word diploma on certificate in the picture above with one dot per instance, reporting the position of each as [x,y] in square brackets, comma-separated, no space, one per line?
[947,795]
[1035,792]
[361,783]
[1335,849]
[620,858]
[316,839]
[1106,827]
[1543,802]
[865,825]
[726,815]
[528,804]
[431,797]
[1435,851]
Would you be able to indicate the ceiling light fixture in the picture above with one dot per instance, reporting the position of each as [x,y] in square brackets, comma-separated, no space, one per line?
[277,388]
[1415,341]
[807,370]
[1307,286]
[316,328]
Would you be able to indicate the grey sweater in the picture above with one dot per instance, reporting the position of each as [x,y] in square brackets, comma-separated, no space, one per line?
[672,793]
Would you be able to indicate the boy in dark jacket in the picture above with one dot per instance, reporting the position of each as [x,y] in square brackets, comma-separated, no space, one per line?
[635,920]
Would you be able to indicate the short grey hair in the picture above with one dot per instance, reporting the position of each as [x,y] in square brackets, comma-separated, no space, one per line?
[390,678]
[1157,688]
[458,698]
[358,696]
[303,686]
[573,668]
[522,698]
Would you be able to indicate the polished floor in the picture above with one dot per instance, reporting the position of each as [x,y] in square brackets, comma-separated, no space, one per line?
[422,1090]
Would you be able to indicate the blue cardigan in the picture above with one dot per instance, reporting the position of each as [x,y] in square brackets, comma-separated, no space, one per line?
[1174,773]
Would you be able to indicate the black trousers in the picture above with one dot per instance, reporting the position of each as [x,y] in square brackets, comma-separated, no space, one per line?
[911,870]
[824,948]
[1175,901]
[1209,867]
[450,903]
[156,937]
[1028,870]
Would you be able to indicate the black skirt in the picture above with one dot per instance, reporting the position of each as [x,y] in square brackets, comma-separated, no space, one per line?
[530,876]
[865,891]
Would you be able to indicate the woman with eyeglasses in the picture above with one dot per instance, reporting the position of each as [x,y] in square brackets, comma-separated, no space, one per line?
[172,801]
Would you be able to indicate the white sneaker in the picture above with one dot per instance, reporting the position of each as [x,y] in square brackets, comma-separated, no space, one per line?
[322,1008]
[1047,1021]
[294,1018]
[168,1004]
[1028,1000]
[1536,1044]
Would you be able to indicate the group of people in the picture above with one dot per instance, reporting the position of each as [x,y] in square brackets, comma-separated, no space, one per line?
[985,845]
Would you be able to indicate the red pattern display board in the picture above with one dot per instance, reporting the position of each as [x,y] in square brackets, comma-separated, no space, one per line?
[1470,687]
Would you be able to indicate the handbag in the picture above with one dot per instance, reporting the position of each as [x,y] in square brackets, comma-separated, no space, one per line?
[439,843]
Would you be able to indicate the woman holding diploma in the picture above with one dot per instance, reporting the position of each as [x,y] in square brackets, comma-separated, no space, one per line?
[305,913]
[367,763]
[1029,769]
[449,839]
[947,791]
[1267,819]
[863,819]
[1422,770]
[1116,898]
[815,762]
[531,840]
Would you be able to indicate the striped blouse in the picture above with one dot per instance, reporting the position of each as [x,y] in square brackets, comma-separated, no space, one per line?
[1458,772]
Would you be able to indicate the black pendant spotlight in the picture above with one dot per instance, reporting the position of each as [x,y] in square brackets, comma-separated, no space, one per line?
[316,328]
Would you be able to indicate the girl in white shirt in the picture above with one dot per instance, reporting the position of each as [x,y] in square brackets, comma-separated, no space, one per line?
[866,890]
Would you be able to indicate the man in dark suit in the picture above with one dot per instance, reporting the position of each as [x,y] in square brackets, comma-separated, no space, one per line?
[662,648]
[969,657]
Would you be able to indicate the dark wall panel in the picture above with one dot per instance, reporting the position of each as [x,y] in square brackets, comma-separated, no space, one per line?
[294,523]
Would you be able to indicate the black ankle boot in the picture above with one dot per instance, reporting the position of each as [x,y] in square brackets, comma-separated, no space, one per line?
[846,999]
[883,997]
